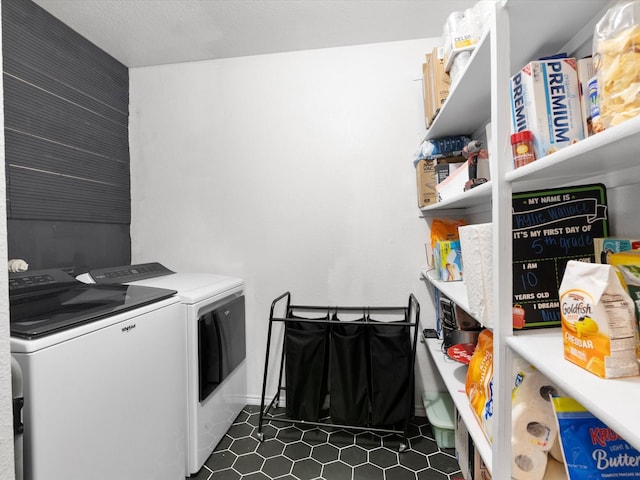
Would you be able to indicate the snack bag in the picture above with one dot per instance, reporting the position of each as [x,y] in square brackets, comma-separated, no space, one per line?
[599,330]
[445,230]
[479,382]
[591,450]
[616,55]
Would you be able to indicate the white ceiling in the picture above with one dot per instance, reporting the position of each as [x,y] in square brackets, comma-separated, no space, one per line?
[153,32]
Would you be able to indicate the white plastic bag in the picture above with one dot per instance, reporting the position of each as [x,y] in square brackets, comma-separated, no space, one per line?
[616,54]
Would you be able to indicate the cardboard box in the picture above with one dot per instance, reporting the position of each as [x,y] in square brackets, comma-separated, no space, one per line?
[426,183]
[480,470]
[427,90]
[545,99]
[464,448]
[439,78]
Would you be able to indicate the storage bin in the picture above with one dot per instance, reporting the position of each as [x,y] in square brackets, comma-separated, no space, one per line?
[440,412]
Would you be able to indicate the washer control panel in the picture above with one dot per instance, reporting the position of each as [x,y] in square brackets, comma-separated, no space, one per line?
[129,273]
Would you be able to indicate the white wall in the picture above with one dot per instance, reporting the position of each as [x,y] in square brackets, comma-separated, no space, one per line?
[292,171]
[6,409]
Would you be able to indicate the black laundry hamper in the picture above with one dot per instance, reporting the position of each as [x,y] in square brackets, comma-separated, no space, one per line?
[391,381]
[363,367]
[349,373]
[306,351]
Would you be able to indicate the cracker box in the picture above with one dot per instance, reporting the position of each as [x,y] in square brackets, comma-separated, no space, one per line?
[545,99]
[586,71]
[447,258]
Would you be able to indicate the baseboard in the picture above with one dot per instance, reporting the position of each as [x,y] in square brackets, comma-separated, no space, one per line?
[257,400]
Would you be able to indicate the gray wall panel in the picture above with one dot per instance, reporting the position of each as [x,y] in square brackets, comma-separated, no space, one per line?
[33,152]
[38,113]
[67,143]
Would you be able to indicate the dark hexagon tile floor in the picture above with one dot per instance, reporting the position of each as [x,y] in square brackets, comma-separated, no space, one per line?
[289,452]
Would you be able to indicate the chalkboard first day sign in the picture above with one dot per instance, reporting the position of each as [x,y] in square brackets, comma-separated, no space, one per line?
[551,227]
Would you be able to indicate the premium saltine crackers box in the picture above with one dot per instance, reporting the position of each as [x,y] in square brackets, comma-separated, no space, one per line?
[545,99]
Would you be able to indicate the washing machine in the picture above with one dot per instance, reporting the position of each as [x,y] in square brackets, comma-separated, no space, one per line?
[214,312]
[102,374]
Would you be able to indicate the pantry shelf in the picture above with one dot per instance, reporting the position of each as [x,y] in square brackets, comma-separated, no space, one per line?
[467,107]
[479,197]
[454,375]
[455,291]
[608,156]
[538,28]
[519,32]
[605,398]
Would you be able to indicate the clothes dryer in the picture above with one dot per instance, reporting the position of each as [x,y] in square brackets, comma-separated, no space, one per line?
[214,312]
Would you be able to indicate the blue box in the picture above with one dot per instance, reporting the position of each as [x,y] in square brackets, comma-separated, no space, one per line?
[447,259]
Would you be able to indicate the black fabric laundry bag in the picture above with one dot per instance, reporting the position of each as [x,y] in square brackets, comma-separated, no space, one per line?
[391,379]
[306,368]
[348,374]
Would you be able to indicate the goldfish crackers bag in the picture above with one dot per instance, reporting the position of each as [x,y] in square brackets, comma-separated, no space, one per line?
[599,330]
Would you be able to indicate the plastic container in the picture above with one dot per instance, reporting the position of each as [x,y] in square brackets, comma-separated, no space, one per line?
[522,145]
[440,412]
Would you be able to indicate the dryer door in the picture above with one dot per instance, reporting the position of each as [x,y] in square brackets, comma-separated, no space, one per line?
[221,344]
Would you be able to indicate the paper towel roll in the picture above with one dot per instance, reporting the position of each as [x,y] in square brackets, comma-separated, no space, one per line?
[477,257]
[528,462]
[531,386]
[555,470]
[532,416]
[556,450]
[532,425]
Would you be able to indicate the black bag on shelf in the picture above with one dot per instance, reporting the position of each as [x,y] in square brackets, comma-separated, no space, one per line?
[391,380]
[348,374]
[306,359]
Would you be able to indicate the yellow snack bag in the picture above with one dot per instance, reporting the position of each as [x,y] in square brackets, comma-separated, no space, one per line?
[445,230]
[479,381]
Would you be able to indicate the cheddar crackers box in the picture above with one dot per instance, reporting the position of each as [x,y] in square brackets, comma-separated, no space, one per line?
[599,330]
[545,99]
